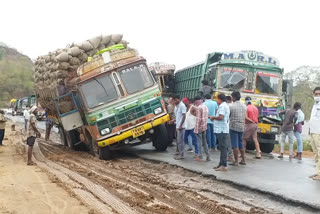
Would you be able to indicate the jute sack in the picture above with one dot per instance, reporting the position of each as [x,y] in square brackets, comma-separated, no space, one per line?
[74,51]
[63,57]
[95,41]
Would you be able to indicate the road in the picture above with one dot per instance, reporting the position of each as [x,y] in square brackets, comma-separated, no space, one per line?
[131,183]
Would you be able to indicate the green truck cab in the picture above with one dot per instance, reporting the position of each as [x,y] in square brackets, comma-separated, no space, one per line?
[111,102]
[252,73]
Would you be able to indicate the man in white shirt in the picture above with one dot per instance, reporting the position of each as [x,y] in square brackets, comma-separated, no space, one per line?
[26,116]
[315,131]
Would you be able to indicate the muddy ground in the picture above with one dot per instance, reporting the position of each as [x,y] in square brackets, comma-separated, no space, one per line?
[66,181]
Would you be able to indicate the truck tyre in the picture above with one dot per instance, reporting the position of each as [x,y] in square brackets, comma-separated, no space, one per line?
[104,153]
[62,136]
[160,138]
[266,147]
[250,145]
[71,137]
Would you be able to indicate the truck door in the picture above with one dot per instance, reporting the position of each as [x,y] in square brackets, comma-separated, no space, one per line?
[68,112]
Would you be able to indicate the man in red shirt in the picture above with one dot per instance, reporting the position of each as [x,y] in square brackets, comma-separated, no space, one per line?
[251,127]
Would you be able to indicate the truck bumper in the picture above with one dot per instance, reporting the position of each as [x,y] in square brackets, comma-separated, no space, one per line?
[128,133]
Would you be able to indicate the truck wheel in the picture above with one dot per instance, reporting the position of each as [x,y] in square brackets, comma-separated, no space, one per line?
[104,153]
[71,137]
[266,147]
[160,138]
[250,145]
[62,136]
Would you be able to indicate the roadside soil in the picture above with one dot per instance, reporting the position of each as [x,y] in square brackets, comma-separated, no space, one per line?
[29,189]
[77,182]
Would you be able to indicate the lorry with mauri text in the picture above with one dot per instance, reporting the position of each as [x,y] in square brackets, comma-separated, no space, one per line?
[252,73]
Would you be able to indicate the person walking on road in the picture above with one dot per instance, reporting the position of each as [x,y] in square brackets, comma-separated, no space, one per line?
[180,113]
[201,128]
[26,116]
[315,131]
[190,124]
[251,126]
[287,129]
[33,133]
[236,126]
[298,130]
[171,127]
[3,121]
[212,108]
[221,128]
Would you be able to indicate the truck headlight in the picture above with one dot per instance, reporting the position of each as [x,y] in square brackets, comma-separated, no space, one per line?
[105,131]
[157,110]
[274,129]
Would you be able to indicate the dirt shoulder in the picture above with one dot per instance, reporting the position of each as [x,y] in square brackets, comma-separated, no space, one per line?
[28,189]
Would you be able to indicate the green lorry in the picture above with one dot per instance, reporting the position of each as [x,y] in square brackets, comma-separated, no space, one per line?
[108,103]
[252,73]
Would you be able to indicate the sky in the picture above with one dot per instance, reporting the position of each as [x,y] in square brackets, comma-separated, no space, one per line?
[178,32]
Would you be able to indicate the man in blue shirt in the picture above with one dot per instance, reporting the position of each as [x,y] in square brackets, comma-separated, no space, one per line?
[221,128]
[48,126]
[212,107]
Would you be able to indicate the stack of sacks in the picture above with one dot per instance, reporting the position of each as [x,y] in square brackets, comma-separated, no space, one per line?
[52,70]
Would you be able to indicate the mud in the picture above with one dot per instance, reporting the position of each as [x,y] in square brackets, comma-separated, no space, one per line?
[129,184]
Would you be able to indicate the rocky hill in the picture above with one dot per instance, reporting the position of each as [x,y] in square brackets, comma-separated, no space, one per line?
[16,72]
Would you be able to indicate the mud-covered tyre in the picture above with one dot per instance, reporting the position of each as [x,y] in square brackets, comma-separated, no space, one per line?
[105,153]
[266,147]
[72,138]
[62,136]
[160,138]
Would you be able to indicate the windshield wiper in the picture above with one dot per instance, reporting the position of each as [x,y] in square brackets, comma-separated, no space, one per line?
[105,90]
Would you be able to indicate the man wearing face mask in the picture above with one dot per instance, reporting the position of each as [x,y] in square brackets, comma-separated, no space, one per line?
[315,131]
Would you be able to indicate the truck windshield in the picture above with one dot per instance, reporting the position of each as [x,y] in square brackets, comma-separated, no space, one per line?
[232,78]
[99,91]
[267,83]
[136,78]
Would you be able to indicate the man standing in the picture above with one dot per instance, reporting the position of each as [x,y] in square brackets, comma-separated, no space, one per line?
[315,131]
[48,126]
[230,152]
[171,127]
[33,133]
[212,108]
[298,130]
[180,113]
[26,116]
[2,126]
[201,127]
[287,130]
[205,89]
[221,128]
[251,127]
[236,126]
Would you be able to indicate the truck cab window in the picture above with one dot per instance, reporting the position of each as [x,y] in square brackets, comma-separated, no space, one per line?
[136,78]
[98,91]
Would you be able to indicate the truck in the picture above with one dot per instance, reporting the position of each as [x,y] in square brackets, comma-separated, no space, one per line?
[23,103]
[252,73]
[110,102]
[164,74]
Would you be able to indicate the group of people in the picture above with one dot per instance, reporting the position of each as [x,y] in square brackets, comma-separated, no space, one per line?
[202,124]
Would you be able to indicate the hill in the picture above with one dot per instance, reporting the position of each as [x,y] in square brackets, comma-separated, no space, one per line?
[16,72]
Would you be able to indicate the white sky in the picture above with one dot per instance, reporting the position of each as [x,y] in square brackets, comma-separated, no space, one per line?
[179,32]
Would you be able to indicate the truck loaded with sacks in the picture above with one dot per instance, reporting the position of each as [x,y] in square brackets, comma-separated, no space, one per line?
[101,96]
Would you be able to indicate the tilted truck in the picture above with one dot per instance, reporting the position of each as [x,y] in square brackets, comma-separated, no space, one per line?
[107,103]
[164,73]
[252,73]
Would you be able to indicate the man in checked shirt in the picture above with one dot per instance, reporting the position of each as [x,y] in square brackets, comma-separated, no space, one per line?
[201,128]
